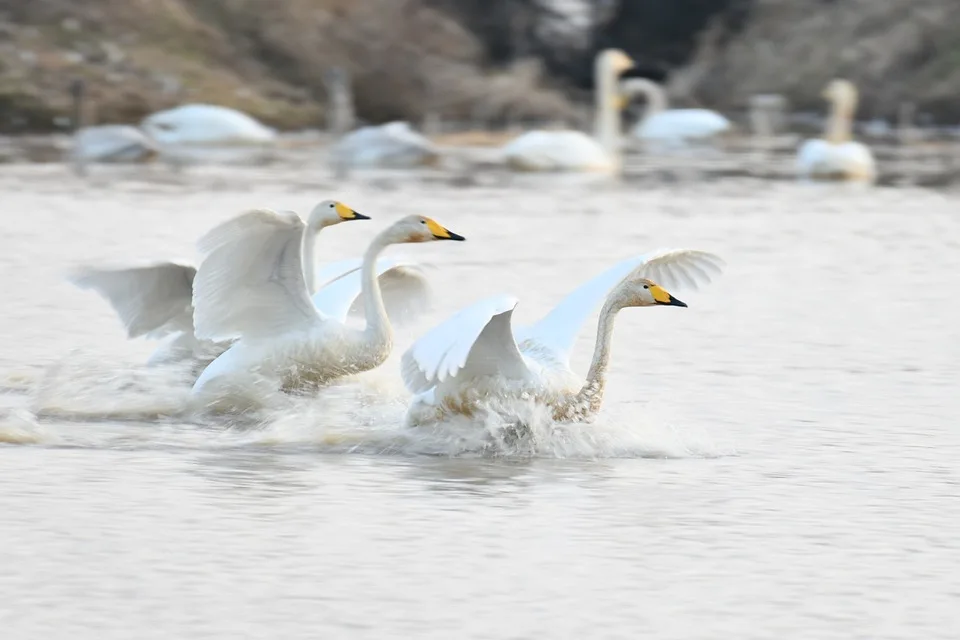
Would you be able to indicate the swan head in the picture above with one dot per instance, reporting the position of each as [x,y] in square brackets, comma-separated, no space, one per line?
[331,212]
[420,229]
[614,61]
[842,93]
[641,292]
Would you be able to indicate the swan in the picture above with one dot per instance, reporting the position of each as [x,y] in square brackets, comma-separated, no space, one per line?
[390,145]
[837,157]
[478,353]
[250,288]
[155,301]
[206,124]
[671,127]
[107,143]
[569,150]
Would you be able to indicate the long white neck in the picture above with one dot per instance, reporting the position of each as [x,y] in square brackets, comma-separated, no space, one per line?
[606,126]
[840,122]
[590,397]
[309,259]
[653,93]
[378,331]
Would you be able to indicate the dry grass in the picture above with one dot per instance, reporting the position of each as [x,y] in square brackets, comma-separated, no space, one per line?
[269,59]
[896,51]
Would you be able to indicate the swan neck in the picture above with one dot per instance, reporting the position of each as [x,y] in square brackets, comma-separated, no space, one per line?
[840,122]
[590,395]
[607,112]
[308,248]
[378,329]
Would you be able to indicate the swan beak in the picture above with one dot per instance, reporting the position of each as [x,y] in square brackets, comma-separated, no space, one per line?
[441,233]
[660,296]
[346,213]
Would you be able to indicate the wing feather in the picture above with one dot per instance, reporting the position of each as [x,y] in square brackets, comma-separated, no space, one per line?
[672,268]
[250,283]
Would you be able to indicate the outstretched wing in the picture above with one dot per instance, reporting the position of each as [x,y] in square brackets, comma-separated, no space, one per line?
[672,268]
[400,284]
[475,341]
[154,299]
[250,283]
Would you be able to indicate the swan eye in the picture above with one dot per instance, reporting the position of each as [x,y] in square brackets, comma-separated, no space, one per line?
[331,205]
[646,286]
[422,221]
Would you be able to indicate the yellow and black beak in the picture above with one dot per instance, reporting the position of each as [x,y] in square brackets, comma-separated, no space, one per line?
[442,233]
[346,213]
[661,296]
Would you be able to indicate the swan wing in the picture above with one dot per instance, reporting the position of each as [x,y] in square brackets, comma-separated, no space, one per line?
[111,143]
[475,341]
[154,299]
[672,268]
[250,283]
[335,298]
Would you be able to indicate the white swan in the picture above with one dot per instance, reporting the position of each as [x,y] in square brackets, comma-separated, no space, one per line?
[111,143]
[250,287]
[671,127]
[391,145]
[478,354]
[107,143]
[568,150]
[837,157]
[156,300]
[206,124]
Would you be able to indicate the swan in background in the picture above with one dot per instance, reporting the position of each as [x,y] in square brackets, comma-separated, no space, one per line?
[671,127]
[206,124]
[108,143]
[569,150]
[838,156]
[250,288]
[155,301]
[392,145]
[478,354]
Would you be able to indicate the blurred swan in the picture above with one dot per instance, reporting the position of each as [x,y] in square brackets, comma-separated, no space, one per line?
[478,354]
[206,124]
[250,288]
[837,157]
[156,300]
[391,145]
[569,150]
[108,143]
[671,127]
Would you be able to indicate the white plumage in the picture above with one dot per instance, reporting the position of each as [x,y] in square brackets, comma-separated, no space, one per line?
[206,124]
[391,145]
[477,351]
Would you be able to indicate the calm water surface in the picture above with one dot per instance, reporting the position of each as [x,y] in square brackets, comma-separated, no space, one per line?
[779,460]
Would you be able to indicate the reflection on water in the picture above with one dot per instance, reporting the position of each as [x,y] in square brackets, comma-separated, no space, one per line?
[780,456]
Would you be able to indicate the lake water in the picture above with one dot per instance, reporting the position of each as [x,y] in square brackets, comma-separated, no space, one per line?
[778,460]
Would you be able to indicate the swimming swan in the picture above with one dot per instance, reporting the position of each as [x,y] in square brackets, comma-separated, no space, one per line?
[674,127]
[390,145]
[478,353]
[156,300]
[206,124]
[569,150]
[838,157]
[250,287]
[106,143]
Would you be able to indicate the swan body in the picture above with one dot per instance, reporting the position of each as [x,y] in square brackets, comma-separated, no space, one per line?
[112,143]
[250,288]
[391,145]
[206,124]
[837,156]
[681,125]
[672,127]
[478,353]
[155,301]
[567,150]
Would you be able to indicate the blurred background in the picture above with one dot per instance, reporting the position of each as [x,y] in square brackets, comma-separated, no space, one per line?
[464,60]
